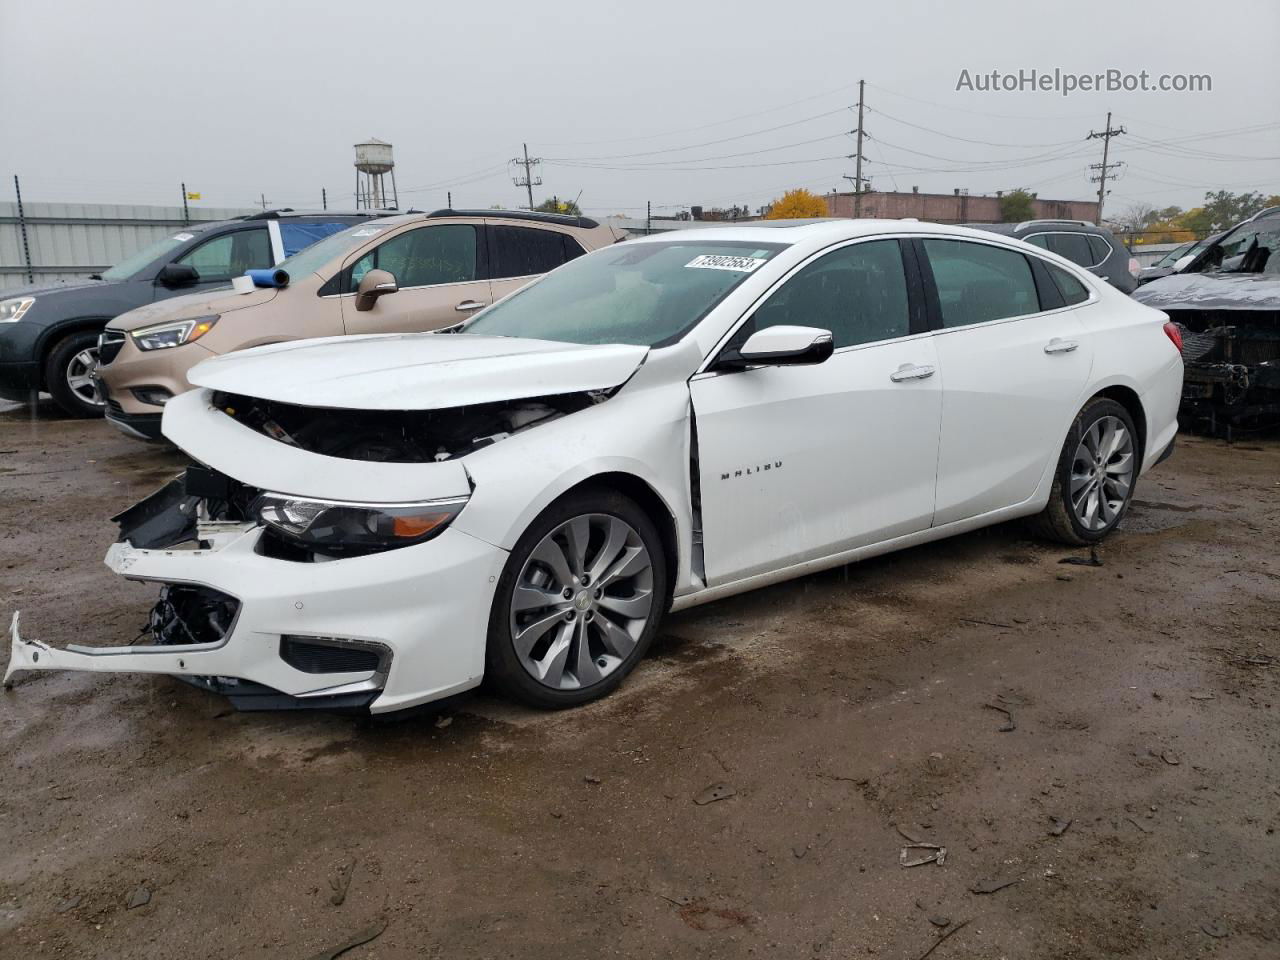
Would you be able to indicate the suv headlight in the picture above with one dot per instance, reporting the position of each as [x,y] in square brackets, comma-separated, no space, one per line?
[175,333]
[340,527]
[11,311]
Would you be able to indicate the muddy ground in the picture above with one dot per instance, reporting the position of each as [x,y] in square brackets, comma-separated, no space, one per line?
[842,712]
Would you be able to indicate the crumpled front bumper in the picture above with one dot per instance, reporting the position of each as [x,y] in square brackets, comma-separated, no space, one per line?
[426,605]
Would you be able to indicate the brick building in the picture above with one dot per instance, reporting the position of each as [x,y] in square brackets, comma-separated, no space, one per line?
[957,207]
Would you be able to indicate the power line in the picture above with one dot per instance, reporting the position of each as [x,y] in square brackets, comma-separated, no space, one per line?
[951,136]
[738,166]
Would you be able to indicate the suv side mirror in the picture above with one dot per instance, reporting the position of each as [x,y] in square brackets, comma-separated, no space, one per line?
[1183,262]
[177,275]
[787,346]
[374,284]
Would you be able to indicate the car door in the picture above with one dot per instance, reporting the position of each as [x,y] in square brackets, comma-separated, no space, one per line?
[520,254]
[439,269]
[220,259]
[800,462]
[1016,358]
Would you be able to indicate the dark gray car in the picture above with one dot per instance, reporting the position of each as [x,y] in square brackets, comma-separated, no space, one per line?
[1092,247]
[49,334]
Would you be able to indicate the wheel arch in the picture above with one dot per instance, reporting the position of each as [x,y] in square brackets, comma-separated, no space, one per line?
[1128,398]
[55,334]
[650,501]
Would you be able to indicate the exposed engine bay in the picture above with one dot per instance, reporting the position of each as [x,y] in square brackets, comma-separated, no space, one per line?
[399,436]
[1232,366]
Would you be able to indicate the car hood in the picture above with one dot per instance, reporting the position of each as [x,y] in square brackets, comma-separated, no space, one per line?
[1212,291]
[417,371]
[192,305]
[48,288]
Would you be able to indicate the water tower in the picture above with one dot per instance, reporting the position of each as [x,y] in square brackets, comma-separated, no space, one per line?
[373,163]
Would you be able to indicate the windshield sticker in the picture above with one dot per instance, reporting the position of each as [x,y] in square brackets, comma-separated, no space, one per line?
[710,261]
[367,232]
[183,237]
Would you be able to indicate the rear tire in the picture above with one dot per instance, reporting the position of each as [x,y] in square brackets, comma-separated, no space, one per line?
[1094,480]
[578,602]
[66,374]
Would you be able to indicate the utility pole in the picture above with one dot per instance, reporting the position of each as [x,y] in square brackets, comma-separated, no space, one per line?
[857,171]
[324,199]
[263,201]
[22,226]
[186,215]
[449,194]
[528,181]
[648,216]
[1103,168]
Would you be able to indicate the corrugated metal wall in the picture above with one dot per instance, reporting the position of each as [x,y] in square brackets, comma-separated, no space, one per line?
[69,241]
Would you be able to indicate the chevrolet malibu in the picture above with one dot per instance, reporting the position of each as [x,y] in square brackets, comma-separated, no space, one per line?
[378,522]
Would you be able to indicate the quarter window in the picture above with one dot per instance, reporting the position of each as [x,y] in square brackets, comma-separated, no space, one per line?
[423,257]
[1072,290]
[858,292]
[230,255]
[1101,249]
[524,252]
[977,283]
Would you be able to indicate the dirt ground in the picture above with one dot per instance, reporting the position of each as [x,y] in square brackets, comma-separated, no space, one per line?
[842,713]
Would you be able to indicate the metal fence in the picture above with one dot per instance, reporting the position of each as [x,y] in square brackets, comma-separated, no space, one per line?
[70,241]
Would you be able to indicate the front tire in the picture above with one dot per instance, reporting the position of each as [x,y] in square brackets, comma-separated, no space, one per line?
[578,602]
[1094,480]
[68,374]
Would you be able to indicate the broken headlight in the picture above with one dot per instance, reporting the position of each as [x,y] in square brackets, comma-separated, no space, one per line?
[172,334]
[340,527]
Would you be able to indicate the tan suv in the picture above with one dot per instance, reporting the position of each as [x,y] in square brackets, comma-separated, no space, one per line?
[441,267]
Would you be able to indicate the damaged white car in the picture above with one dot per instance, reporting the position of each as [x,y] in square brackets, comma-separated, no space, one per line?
[378,522]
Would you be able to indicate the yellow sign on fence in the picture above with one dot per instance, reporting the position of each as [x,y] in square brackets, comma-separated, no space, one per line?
[193,196]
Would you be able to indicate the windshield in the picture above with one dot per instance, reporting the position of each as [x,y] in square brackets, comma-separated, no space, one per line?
[312,258]
[1249,248]
[1173,256]
[648,294]
[127,267]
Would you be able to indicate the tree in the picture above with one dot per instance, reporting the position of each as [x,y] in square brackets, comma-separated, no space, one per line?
[797,205]
[556,205]
[1224,209]
[1016,206]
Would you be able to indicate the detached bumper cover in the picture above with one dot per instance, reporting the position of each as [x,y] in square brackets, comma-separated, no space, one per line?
[427,606]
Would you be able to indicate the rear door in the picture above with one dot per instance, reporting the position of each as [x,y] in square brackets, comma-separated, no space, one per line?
[440,270]
[520,254]
[801,462]
[1015,358]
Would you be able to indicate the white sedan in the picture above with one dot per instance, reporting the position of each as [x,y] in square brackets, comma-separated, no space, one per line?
[378,522]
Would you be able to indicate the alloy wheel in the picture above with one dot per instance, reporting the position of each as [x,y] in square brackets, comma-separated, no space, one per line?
[581,601]
[79,375]
[1102,473]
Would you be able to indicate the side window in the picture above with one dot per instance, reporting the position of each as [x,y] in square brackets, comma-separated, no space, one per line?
[1072,290]
[1040,240]
[424,257]
[230,255]
[523,251]
[1073,246]
[858,292]
[1101,249]
[977,283]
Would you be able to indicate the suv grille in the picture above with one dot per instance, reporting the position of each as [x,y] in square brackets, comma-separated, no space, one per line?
[109,344]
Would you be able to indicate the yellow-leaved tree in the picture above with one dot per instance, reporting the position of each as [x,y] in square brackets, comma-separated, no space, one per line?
[797,204]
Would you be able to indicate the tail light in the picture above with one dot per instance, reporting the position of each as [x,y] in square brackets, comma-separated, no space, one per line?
[1135,267]
[1174,333]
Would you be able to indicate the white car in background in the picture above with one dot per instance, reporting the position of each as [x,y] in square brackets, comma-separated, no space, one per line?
[378,522]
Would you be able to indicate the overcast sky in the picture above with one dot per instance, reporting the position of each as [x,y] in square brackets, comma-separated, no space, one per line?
[689,102]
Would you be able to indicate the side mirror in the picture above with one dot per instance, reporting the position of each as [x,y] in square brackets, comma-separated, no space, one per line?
[1183,262]
[787,346]
[177,275]
[374,284]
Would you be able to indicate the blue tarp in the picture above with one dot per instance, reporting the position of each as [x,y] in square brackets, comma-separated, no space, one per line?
[299,236]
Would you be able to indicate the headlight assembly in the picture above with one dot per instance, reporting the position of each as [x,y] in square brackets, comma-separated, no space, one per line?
[175,333]
[337,527]
[11,311]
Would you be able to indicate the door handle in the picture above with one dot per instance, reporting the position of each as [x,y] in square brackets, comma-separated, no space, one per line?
[910,371]
[468,305]
[1058,345]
